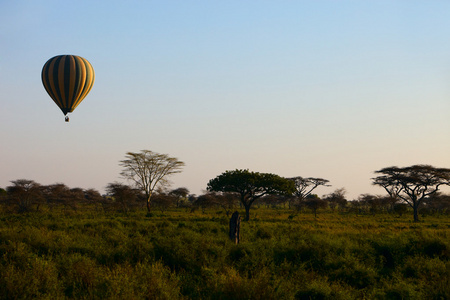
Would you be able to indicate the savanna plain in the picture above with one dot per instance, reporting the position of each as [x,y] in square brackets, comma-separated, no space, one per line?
[181,254]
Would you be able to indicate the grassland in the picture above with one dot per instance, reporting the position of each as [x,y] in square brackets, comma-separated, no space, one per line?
[90,254]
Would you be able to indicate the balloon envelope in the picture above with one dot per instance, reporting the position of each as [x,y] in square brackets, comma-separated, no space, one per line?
[67,79]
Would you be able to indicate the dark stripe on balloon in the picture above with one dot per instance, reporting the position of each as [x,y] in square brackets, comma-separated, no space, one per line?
[46,80]
[50,84]
[70,80]
[82,80]
[78,82]
[64,82]
[56,83]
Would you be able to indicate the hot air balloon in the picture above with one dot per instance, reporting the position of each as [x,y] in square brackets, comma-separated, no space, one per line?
[67,79]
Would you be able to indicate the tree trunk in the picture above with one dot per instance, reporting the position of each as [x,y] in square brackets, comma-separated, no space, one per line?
[149,204]
[416,213]
[247,212]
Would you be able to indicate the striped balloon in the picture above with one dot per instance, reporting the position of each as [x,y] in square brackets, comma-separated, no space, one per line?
[67,79]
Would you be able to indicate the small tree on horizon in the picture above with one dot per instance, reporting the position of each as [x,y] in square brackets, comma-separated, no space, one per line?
[313,202]
[412,184]
[24,193]
[123,195]
[180,194]
[60,194]
[336,199]
[305,185]
[250,186]
[149,170]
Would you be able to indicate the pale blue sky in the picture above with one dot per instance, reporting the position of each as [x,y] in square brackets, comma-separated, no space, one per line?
[331,89]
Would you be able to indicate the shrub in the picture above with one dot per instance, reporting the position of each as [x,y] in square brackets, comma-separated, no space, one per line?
[436,247]
[35,279]
[263,233]
[143,281]
[231,285]
[318,290]
[398,290]
[353,273]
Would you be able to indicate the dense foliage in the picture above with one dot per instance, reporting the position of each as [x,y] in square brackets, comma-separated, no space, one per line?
[250,186]
[412,184]
[149,170]
[93,254]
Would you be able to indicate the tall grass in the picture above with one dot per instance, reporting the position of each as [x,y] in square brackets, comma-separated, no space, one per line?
[181,255]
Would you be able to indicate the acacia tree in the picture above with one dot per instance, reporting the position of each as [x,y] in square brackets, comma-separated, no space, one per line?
[123,195]
[92,196]
[412,184]
[204,201]
[250,186]
[337,198]
[180,194]
[304,186]
[314,202]
[163,200]
[24,193]
[61,194]
[372,203]
[149,170]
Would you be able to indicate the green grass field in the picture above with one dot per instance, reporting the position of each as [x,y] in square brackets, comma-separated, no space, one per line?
[181,255]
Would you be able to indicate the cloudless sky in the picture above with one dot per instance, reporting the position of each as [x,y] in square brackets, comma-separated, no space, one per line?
[330,89]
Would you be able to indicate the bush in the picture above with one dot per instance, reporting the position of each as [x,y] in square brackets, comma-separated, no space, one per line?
[231,285]
[263,233]
[319,290]
[33,277]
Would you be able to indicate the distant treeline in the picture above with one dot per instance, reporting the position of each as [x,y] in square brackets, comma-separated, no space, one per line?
[25,195]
